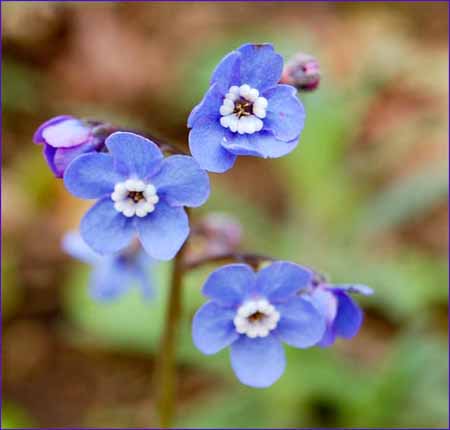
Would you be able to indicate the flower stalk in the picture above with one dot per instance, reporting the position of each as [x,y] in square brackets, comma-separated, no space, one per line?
[166,365]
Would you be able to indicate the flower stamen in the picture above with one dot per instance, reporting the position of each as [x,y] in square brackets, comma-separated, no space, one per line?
[256,318]
[243,109]
[134,197]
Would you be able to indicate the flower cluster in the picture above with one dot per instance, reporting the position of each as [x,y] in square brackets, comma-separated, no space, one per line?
[253,313]
[245,111]
[139,214]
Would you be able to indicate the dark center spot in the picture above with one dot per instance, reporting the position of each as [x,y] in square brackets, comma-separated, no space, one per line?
[243,107]
[257,316]
[136,196]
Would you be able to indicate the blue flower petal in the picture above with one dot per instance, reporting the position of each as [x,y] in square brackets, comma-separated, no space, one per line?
[205,140]
[91,176]
[209,106]
[349,316]
[263,144]
[230,284]
[163,232]
[213,328]
[301,325]
[227,73]
[110,280]
[134,155]
[104,229]
[38,138]
[181,182]
[285,113]
[261,66]
[76,247]
[146,282]
[282,280]
[257,362]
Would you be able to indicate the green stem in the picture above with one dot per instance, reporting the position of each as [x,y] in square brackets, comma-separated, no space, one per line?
[166,365]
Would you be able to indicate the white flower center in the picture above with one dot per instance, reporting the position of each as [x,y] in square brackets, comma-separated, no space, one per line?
[256,318]
[134,197]
[243,109]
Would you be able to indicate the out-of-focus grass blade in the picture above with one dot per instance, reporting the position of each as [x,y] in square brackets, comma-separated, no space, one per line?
[406,200]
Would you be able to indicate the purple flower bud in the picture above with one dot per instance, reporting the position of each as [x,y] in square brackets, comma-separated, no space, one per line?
[65,137]
[302,72]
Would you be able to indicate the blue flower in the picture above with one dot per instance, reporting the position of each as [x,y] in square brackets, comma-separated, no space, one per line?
[245,111]
[112,275]
[253,313]
[342,314]
[140,193]
[64,138]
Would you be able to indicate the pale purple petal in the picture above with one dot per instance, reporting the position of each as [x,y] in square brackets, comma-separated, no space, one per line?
[38,138]
[257,362]
[213,328]
[66,134]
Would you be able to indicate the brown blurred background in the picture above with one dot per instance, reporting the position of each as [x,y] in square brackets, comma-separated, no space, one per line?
[363,198]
